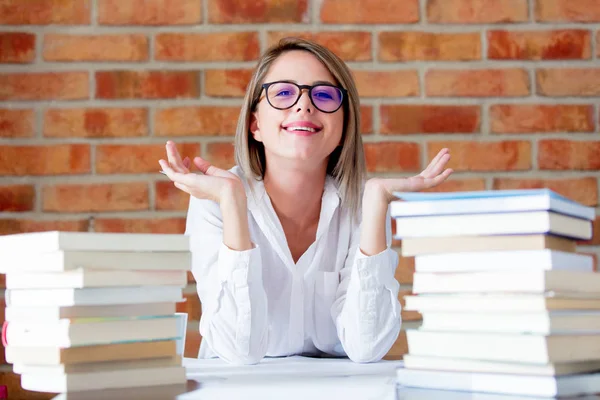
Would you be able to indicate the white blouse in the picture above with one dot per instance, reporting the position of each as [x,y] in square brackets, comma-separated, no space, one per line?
[259,303]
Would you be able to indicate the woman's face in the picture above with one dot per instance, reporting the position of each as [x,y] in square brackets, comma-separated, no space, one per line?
[301,136]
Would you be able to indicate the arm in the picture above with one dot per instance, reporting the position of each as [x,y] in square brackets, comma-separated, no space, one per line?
[227,269]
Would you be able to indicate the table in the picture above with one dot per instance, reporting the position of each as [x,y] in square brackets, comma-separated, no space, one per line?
[291,378]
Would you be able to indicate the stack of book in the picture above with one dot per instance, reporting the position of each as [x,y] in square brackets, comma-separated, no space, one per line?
[508,305]
[92,311]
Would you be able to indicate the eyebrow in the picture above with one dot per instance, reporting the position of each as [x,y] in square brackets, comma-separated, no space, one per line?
[313,84]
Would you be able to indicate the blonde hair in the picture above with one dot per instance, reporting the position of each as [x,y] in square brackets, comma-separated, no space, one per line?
[347,162]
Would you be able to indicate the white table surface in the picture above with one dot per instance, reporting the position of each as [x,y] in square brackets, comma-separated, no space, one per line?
[292,378]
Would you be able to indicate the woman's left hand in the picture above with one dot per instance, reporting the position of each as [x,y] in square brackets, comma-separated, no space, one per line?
[431,176]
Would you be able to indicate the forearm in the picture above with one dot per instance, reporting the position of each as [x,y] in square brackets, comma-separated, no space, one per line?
[373,227]
[236,234]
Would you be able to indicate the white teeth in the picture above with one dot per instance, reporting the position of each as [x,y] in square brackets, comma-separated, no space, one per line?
[300,128]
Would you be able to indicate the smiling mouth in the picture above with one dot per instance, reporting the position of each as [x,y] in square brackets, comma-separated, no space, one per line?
[303,130]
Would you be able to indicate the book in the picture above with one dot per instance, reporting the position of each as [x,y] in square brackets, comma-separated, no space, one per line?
[56,355]
[89,331]
[487,201]
[92,296]
[43,242]
[89,278]
[529,281]
[526,222]
[412,361]
[495,302]
[513,384]
[65,260]
[416,246]
[504,261]
[54,313]
[530,322]
[506,347]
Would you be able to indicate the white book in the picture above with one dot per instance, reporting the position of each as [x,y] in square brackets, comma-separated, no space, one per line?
[92,296]
[504,260]
[64,260]
[505,347]
[540,322]
[87,278]
[89,331]
[516,223]
[488,201]
[523,385]
[433,363]
[141,377]
[530,281]
[500,302]
[42,242]
[54,313]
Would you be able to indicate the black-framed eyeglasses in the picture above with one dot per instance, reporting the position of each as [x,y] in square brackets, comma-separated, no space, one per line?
[325,97]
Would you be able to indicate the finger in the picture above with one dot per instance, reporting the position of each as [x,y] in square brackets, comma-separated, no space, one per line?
[439,167]
[182,187]
[207,168]
[439,178]
[187,162]
[435,161]
[174,157]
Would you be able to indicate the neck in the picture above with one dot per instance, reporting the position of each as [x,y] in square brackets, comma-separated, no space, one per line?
[296,194]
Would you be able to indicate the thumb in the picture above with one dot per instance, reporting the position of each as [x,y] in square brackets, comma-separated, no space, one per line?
[207,168]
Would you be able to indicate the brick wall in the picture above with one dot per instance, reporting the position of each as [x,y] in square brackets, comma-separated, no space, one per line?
[91,89]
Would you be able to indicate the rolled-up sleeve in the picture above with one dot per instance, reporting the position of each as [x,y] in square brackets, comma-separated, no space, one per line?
[230,288]
[367,311]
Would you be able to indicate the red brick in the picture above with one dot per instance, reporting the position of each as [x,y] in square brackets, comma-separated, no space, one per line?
[429,119]
[45,12]
[568,82]
[226,83]
[196,121]
[136,159]
[508,155]
[598,44]
[192,343]
[168,197]
[405,270]
[429,46]
[595,240]
[476,11]
[399,83]
[113,47]
[399,348]
[393,157]
[559,154]
[371,12]
[567,11]
[220,154]
[533,118]
[11,226]
[17,47]
[59,159]
[44,86]
[96,122]
[17,198]
[567,44]
[582,190]
[191,306]
[366,120]
[16,123]
[459,185]
[257,11]
[140,225]
[349,46]
[149,12]
[147,84]
[230,46]
[477,83]
[129,196]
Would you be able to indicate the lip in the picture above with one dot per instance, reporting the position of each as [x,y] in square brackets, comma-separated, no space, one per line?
[304,124]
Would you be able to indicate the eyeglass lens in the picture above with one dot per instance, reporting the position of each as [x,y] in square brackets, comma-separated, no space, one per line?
[283,95]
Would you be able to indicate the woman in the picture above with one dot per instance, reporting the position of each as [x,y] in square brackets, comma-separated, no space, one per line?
[291,247]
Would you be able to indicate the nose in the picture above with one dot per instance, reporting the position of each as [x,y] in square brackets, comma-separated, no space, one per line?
[304,102]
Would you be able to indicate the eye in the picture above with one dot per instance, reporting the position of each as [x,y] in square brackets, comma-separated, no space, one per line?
[324,96]
[284,93]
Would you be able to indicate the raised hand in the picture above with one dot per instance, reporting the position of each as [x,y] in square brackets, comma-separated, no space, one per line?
[212,183]
[431,176]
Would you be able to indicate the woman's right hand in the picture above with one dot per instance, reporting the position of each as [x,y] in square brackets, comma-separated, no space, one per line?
[213,183]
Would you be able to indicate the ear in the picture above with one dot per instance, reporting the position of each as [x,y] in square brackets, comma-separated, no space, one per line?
[254,128]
